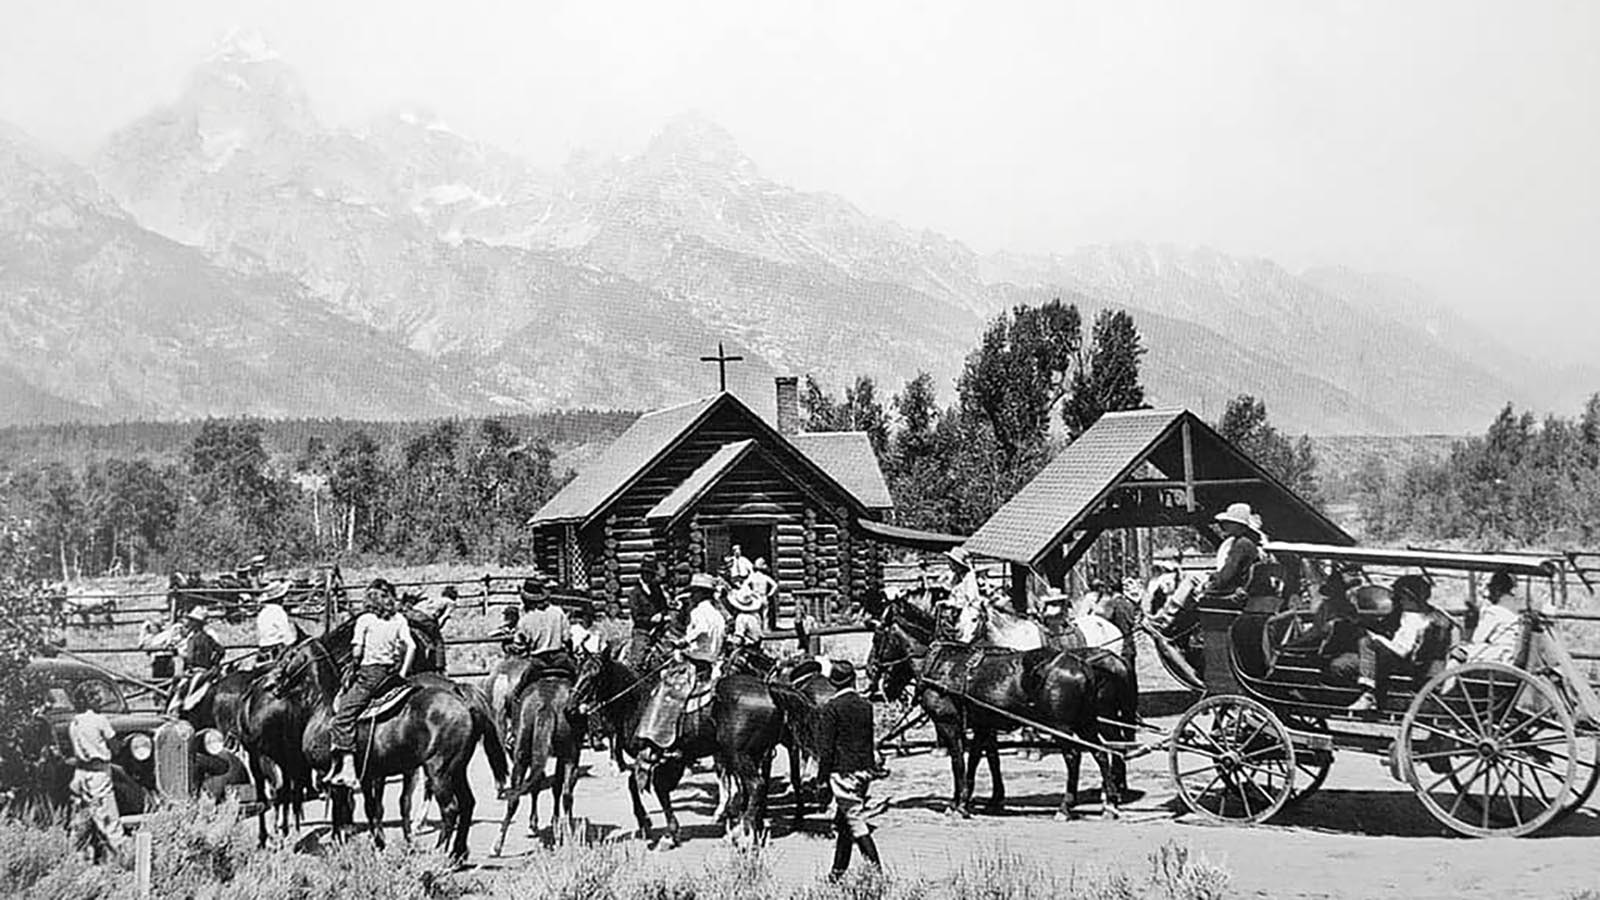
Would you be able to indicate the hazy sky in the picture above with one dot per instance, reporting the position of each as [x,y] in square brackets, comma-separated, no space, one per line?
[1452,141]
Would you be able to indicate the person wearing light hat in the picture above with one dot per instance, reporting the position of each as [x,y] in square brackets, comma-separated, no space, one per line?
[274,632]
[1237,555]
[1498,632]
[189,639]
[963,582]
[847,760]
[747,603]
[707,630]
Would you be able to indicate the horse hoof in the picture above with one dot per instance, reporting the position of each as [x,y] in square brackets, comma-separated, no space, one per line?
[1111,813]
[1063,815]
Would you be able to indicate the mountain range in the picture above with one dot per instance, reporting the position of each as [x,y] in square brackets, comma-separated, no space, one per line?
[231,253]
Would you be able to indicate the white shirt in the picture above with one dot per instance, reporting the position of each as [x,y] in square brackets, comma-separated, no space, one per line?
[705,633]
[585,640]
[382,642]
[273,628]
[964,591]
[762,584]
[740,568]
[1497,637]
[1408,633]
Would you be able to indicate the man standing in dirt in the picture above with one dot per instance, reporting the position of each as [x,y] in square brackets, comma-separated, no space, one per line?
[97,825]
[846,758]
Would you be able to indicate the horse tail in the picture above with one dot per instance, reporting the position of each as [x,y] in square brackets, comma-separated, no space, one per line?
[533,747]
[487,726]
[798,711]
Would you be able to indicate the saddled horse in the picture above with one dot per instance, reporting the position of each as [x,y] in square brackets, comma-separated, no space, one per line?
[431,728]
[426,671]
[739,729]
[541,728]
[270,727]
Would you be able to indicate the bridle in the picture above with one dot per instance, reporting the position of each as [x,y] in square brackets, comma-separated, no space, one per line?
[289,676]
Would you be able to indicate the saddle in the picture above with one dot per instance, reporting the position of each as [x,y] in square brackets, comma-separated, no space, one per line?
[681,693]
[388,701]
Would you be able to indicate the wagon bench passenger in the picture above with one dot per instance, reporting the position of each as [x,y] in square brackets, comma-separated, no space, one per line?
[1414,646]
[380,648]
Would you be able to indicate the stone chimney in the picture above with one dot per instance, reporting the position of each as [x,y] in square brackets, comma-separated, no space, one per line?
[788,404]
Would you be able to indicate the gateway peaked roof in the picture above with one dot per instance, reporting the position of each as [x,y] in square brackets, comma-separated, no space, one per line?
[1070,490]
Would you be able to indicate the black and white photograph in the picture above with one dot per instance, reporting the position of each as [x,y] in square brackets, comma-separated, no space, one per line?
[807,449]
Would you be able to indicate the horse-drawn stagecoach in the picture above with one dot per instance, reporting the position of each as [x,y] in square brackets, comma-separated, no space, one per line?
[1489,748]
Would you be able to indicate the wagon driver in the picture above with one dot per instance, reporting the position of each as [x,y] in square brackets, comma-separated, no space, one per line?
[189,639]
[1237,556]
[963,583]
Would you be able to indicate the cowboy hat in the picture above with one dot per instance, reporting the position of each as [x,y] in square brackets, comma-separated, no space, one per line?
[761,564]
[1238,514]
[959,556]
[197,614]
[746,601]
[275,591]
[533,587]
[842,674]
[702,580]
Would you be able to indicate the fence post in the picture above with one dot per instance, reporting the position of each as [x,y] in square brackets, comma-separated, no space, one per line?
[142,862]
[486,593]
[327,601]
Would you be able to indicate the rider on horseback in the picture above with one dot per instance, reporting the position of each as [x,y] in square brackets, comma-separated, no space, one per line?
[200,652]
[698,652]
[381,641]
[275,633]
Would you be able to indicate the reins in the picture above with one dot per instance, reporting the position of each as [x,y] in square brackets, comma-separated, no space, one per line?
[638,683]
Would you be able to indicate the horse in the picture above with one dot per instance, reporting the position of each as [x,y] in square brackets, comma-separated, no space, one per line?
[426,671]
[542,728]
[432,728]
[740,733]
[1077,686]
[269,728]
[92,610]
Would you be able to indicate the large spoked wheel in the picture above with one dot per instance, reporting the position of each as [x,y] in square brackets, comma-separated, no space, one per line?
[1311,764]
[1491,750]
[1232,760]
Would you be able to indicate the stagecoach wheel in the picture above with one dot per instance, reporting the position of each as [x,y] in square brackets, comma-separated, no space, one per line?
[1491,750]
[1588,763]
[1232,760]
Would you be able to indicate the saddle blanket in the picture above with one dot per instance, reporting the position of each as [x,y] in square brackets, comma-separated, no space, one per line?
[387,701]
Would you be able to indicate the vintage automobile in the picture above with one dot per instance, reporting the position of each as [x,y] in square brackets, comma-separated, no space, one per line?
[133,748]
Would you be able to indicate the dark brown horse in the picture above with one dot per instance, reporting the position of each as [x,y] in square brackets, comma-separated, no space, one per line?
[541,730]
[963,687]
[1069,691]
[433,729]
[269,729]
[739,731]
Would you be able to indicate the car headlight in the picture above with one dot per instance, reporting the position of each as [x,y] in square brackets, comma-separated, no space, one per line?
[140,747]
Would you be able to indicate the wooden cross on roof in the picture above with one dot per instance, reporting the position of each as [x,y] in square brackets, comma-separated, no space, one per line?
[722,359]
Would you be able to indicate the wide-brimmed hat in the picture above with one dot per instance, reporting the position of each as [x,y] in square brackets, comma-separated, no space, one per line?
[198,614]
[746,601]
[275,591]
[959,556]
[1238,514]
[842,674]
[761,564]
[533,587]
[702,580]
[259,561]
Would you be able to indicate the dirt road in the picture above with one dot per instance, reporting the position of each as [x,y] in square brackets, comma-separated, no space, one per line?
[1362,836]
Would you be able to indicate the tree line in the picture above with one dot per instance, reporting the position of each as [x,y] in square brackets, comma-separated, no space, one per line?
[1522,483]
[451,491]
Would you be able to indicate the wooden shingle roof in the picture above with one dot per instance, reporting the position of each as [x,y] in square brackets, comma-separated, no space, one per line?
[1073,487]
[701,480]
[848,457]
